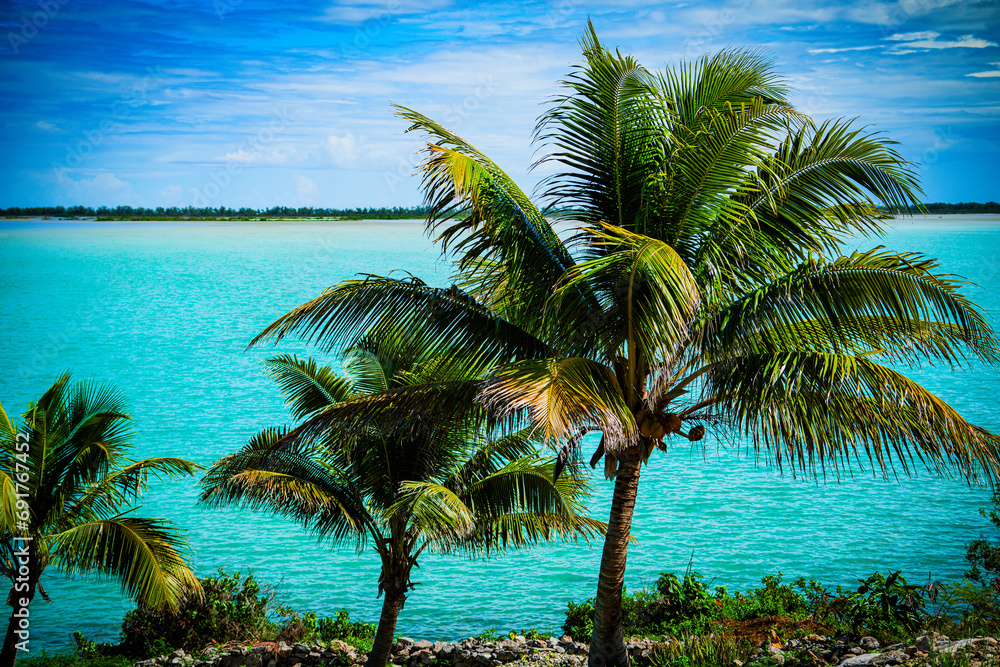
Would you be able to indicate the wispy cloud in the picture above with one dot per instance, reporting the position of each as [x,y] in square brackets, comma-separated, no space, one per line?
[843,49]
[988,74]
[931,42]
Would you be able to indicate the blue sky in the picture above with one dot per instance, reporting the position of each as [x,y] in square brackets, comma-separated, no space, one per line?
[246,103]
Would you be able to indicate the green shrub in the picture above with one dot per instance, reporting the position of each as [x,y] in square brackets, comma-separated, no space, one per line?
[232,609]
[579,623]
[885,607]
[341,627]
[771,599]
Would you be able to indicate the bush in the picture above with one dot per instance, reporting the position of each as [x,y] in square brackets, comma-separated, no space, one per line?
[885,607]
[231,609]
[341,627]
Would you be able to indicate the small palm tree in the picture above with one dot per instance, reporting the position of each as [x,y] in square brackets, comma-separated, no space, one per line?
[394,482]
[704,286]
[67,489]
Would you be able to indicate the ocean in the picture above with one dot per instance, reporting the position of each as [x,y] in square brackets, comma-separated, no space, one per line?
[165,310]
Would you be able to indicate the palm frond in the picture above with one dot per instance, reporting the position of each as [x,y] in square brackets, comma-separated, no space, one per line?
[146,555]
[605,133]
[480,214]
[887,302]
[307,386]
[561,396]
[830,406]
[448,322]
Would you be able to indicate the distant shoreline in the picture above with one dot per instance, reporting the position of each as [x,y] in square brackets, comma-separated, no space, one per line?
[254,220]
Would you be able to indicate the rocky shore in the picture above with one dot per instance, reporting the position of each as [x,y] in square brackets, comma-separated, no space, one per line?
[564,651]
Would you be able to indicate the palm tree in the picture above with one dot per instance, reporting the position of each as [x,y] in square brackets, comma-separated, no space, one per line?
[68,488]
[399,484]
[704,286]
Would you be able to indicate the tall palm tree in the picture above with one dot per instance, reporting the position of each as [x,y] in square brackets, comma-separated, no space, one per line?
[68,488]
[704,286]
[401,485]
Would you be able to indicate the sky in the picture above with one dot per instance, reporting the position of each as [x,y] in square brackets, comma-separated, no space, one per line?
[248,103]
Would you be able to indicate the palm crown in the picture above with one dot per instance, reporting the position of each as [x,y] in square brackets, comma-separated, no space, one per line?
[68,487]
[451,483]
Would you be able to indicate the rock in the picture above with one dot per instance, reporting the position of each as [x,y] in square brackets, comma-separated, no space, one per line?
[890,658]
[565,639]
[519,639]
[955,646]
[536,643]
[815,639]
[405,642]
[179,653]
[864,659]
[926,642]
[284,650]
[857,650]
[870,643]
[552,643]
[422,644]
[507,655]
[776,655]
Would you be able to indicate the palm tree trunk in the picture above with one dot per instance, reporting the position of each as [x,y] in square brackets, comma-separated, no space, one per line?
[386,632]
[607,645]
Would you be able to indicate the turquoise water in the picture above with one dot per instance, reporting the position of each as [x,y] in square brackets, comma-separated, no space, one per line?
[165,309]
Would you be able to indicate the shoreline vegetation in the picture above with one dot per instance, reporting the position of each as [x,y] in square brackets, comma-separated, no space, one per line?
[285,213]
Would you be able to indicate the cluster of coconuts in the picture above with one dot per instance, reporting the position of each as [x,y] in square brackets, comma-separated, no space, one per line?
[659,425]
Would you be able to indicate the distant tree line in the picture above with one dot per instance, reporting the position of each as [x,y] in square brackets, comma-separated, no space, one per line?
[368,213]
[174,212]
[961,207]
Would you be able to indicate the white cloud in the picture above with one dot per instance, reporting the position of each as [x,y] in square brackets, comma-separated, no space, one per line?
[963,42]
[241,156]
[910,36]
[989,74]
[47,126]
[849,48]
[342,151]
[306,188]
[103,189]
